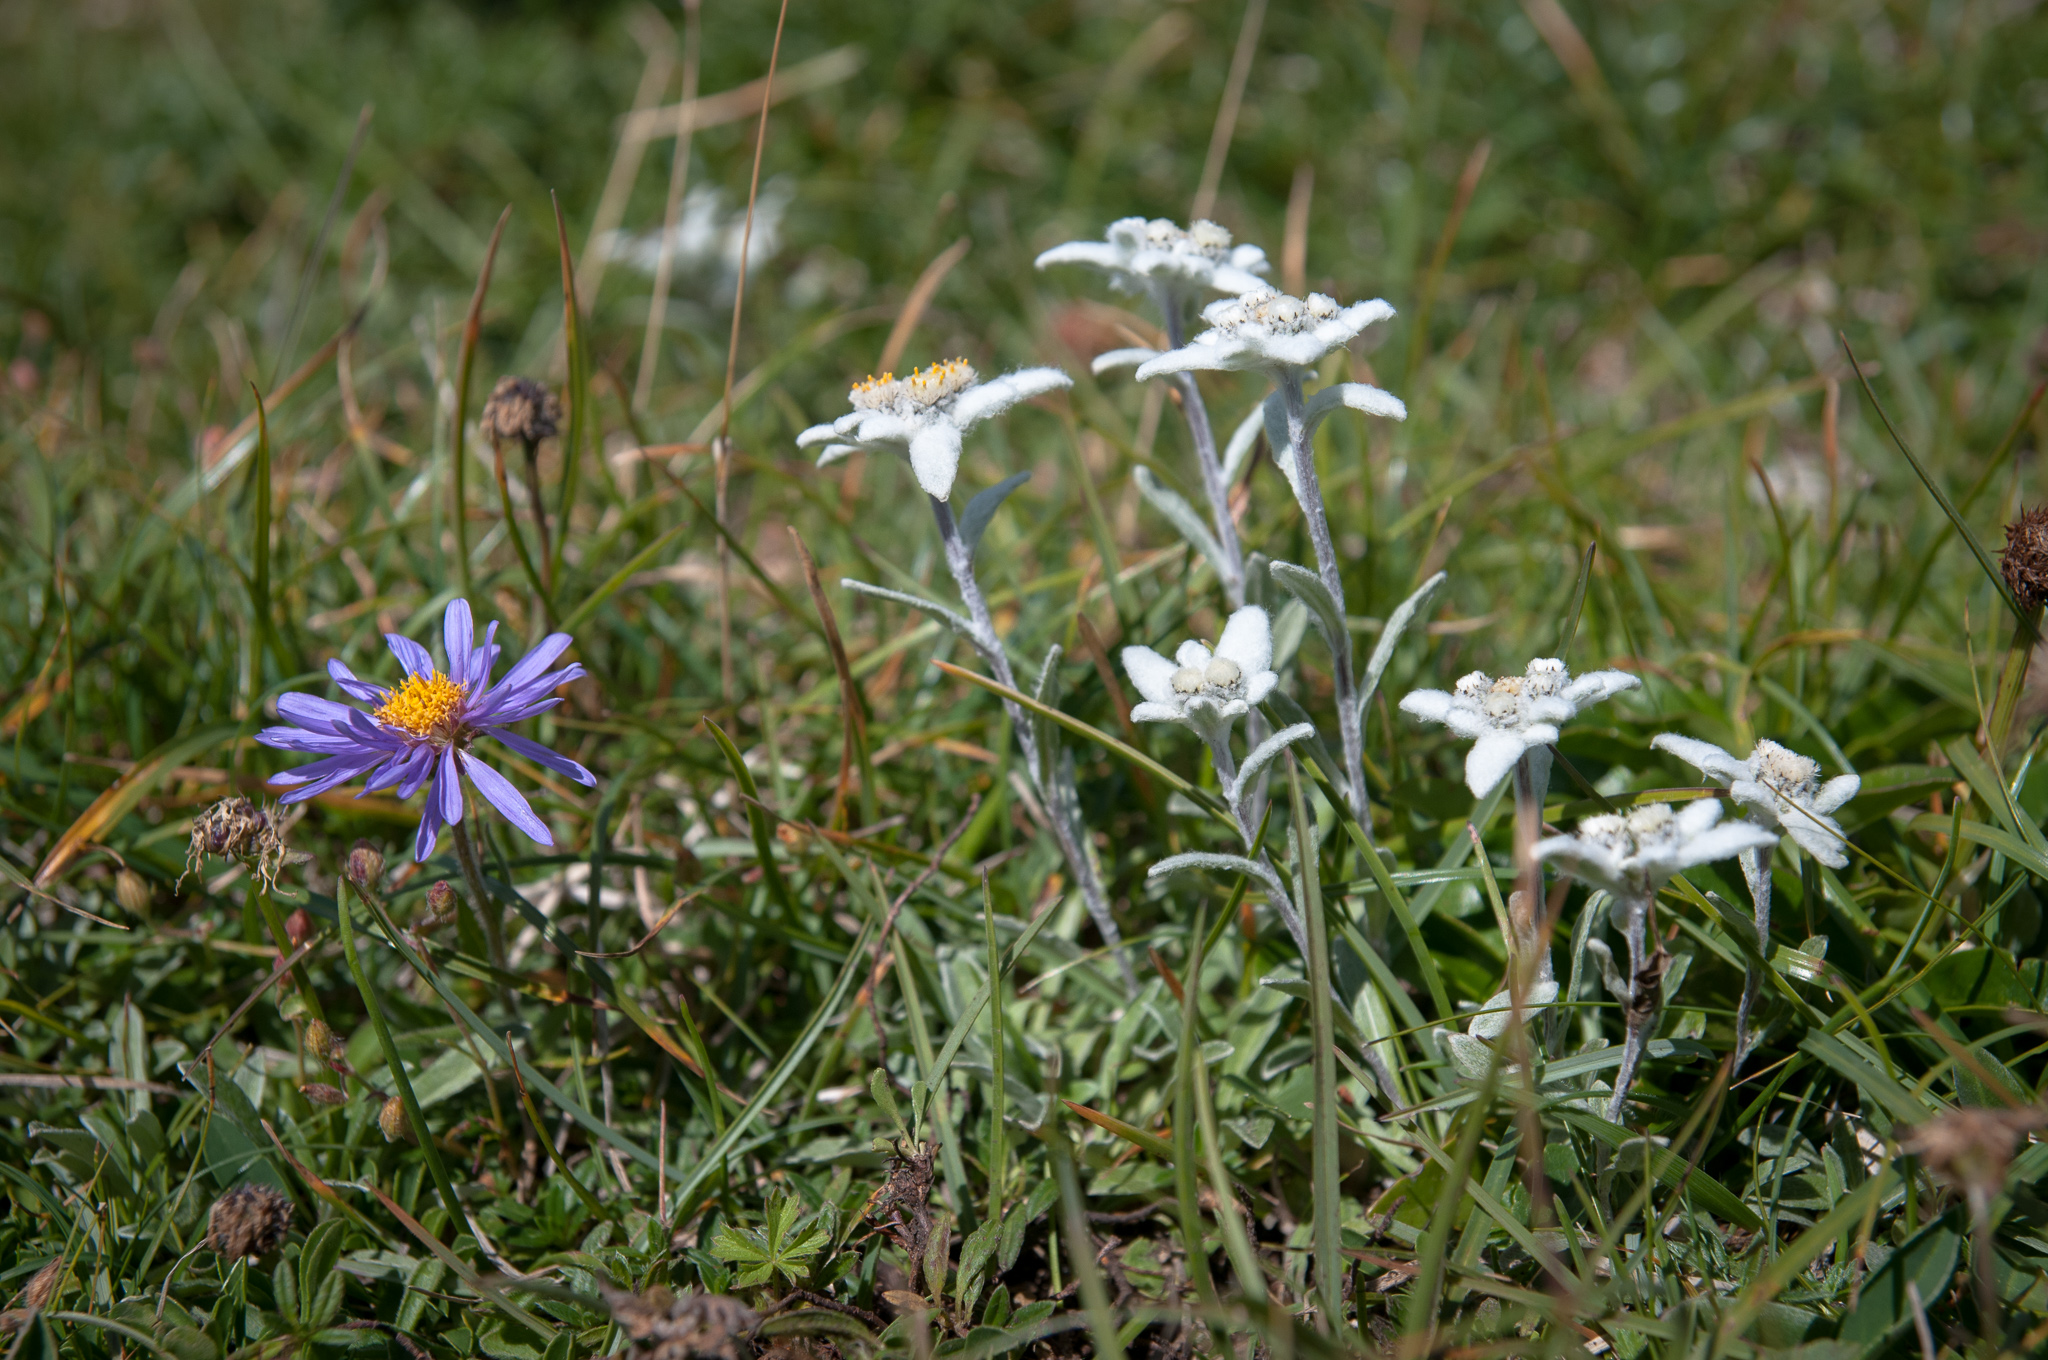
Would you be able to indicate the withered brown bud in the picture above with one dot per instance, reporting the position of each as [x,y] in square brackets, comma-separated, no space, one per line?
[299,927]
[392,1120]
[230,828]
[249,1220]
[320,1093]
[43,1284]
[2025,559]
[440,905]
[366,866]
[520,411]
[131,890]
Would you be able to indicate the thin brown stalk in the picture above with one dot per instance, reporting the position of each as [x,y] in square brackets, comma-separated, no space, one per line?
[657,40]
[856,740]
[921,294]
[1468,183]
[472,327]
[678,180]
[1294,244]
[1226,112]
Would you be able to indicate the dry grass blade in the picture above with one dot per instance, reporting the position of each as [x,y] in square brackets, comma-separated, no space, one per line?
[122,796]
[678,181]
[472,329]
[1226,112]
[855,744]
[921,294]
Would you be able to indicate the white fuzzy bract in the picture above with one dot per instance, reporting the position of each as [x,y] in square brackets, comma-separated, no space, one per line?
[1633,855]
[1780,788]
[1159,256]
[1206,690]
[1268,330]
[924,416]
[1505,718]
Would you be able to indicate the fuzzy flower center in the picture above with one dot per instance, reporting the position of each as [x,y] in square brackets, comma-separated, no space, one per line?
[1630,835]
[423,705]
[1204,238]
[1504,701]
[1219,679]
[921,390]
[1266,312]
[1786,772]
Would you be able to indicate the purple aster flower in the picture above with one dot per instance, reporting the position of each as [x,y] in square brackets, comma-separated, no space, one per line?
[419,731]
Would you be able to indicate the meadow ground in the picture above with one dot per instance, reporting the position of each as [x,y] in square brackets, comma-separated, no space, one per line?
[683,1044]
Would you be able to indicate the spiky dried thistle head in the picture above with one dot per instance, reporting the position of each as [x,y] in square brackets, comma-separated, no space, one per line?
[520,411]
[2025,559]
[249,1220]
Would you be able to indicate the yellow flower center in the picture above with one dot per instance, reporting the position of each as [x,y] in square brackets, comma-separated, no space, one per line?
[421,705]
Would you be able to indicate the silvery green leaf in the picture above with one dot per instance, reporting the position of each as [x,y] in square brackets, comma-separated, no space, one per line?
[1390,636]
[1498,1011]
[1306,586]
[1474,1057]
[1179,513]
[1287,713]
[1242,441]
[946,616]
[1359,397]
[1274,411]
[1288,630]
[1293,984]
[980,510]
[1617,985]
[1179,804]
[1257,582]
[1222,864]
[1256,763]
[1047,692]
[1252,1130]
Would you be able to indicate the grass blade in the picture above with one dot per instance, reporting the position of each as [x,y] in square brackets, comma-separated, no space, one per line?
[472,329]
[1325,1173]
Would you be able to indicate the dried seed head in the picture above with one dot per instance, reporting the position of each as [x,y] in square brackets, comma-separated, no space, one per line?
[2025,559]
[249,1220]
[520,411]
[392,1120]
[131,890]
[42,1285]
[1973,1147]
[320,1093]
[235,828]
[366,866]
[687,1326]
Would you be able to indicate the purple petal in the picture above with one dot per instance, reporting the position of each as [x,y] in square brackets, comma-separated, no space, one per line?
[541,755]
[539,659]
[299,739]
[352,687]
[429,833]
[483,659]
[458,636]
[312,712]
[503,715]
[410,654]
[448,788]
[423,764]
[414,764]
[499,792]
[311,780]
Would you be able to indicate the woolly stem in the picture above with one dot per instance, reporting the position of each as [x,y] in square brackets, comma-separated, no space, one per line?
[1203,436]
[1756,872]
[1054,785]
[1645,999]
[1311,496]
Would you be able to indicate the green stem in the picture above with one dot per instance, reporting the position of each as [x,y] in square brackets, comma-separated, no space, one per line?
[485,907]
[399,1079]
[996,1150]
[1325,1172]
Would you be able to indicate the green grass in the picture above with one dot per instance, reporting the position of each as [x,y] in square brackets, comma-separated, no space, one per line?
[1637,312]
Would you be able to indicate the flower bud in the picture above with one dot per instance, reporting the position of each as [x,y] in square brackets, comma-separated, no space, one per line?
[392,1120]
[366,866]
[519,410]
[131,890]
[320,1093]
[298,927]
[321,1042]
[440,905]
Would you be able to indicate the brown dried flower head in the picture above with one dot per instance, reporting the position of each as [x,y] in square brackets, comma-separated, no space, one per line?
[687,1326]
[520,411]
[2025,559]
[249,1220]
[1973,1147]
[235,828]
[320,1093]
[322,1043]
[391,1119]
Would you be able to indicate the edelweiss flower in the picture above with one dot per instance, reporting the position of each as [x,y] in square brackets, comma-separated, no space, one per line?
[1158,256]
[1781,789]
[1505,718]
[421,729]
[1633,855]
[1207,691]
[924,415]
[1269,330]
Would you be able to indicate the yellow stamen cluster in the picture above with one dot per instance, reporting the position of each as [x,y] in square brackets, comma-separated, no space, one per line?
[422,705]
[941,380]
[920,389]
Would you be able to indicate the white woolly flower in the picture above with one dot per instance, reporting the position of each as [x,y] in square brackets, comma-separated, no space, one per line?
[1207,690]
[1633,855]
[925,414]
[1269,330]
[1504,719]
[1780,788]
[1160,257]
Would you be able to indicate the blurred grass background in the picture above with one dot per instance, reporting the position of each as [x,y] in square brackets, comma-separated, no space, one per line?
[1673,208]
